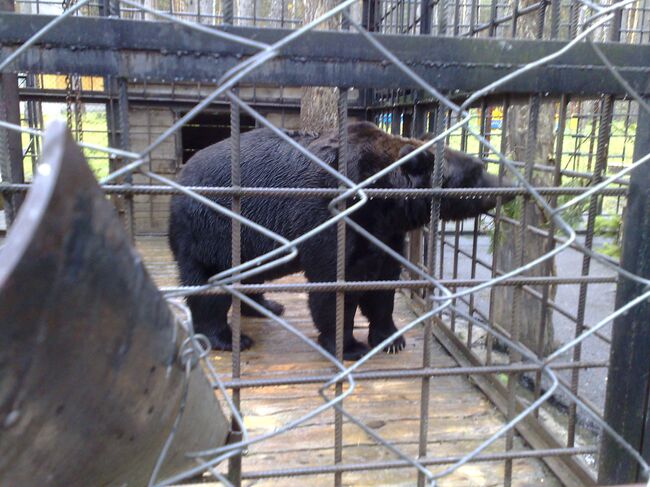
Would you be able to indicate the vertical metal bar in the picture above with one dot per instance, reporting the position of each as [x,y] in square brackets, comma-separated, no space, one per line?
[234,464]
[11,153]
[485,131]
[477,222]
[455,270]
[541,18]
[602,151]
[601,160]
[419,111]
[395,120]
[340,276]
[419,116]
[574,13]
[11,160]
[472,16]
[149,140]
[442,17]
[456,18]
[489,342]
[31,109]
[556,7]
[123,117]
[597,110]
[628,383]
[228,12]
[113,8]
[626,136]
[443,232]
[407,125]
[426,7]
[415,251]
[367,12]
[493,17]
[428,331]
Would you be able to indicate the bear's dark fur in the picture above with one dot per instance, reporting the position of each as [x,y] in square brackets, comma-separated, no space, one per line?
[200,238]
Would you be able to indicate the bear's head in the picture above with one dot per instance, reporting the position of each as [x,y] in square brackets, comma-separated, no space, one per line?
[460,170]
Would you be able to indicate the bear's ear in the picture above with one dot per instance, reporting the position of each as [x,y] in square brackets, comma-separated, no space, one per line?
[406,149]
[419,164]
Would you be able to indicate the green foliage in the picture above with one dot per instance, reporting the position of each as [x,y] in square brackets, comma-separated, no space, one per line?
[573,215]
[607,225]
[510,210]
[95,131]
[612,249]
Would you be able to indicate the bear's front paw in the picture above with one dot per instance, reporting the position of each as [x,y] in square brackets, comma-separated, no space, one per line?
[352,350]
[222,340]
[394,347]
[355,350]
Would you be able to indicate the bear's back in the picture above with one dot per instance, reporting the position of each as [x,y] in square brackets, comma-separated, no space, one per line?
[265,161]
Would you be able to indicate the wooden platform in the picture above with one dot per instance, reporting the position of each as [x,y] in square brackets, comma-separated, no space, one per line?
[460,416]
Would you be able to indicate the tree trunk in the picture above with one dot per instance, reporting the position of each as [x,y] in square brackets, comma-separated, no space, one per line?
[318,104]
[507,248]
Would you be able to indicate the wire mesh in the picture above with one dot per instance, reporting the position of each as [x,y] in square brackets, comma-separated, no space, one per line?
[472,125]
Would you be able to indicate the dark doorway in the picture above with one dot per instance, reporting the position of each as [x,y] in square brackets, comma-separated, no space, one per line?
[209,128]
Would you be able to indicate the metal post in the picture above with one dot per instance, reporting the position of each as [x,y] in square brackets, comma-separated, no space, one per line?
[419,111]
[395,121]
[340,276]
[428,327]
[228,12]
[494,269]
[234,464]
[628,382]
[11,153]
[110,8]
[123,123]
[602,151]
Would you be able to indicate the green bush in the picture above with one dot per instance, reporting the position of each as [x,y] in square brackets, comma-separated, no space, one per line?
[607,225]
[612,249]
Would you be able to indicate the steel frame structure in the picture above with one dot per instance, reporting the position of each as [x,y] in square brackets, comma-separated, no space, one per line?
[467,69]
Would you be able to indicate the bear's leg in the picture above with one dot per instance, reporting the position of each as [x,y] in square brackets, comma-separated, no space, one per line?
[209,312]
[323,312]
[378,306]
[273,306]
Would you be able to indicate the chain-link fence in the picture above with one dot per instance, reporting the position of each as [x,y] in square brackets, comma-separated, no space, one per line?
[522,299]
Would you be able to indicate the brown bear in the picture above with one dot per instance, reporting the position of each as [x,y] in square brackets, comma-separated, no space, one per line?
[200,238]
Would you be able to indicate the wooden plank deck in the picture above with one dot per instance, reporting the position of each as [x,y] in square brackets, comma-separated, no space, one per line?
[460,416]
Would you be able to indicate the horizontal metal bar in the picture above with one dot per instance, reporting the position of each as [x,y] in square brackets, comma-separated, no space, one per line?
[330,192]
[409,374]
[392,464]
[402,284]
[168,52]
[143,97]
[171,100]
